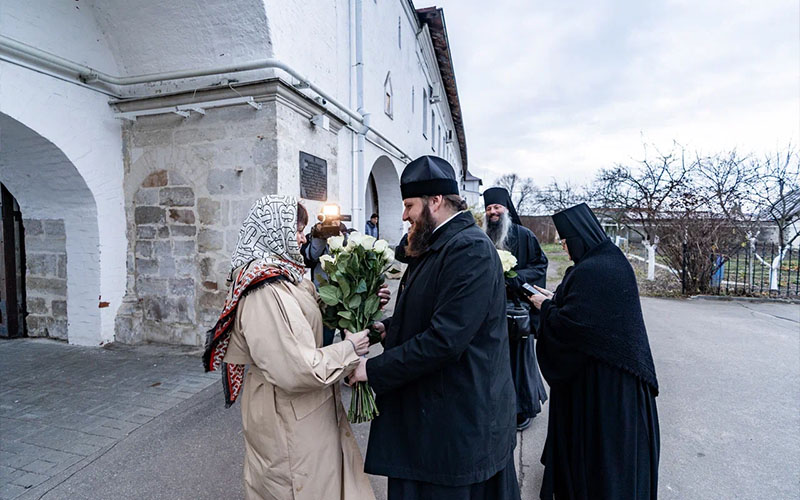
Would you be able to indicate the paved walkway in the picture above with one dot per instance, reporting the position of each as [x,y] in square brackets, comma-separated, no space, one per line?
[729,411]
[62,406]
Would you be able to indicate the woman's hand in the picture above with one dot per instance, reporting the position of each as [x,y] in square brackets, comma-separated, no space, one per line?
[385,294]
[360,341]
[537,300]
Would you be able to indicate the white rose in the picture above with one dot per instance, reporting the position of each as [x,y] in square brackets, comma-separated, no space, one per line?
[354,240]
[388,254]
[325,259]
[507,259]
[380,246]
[367,242]
[336,242]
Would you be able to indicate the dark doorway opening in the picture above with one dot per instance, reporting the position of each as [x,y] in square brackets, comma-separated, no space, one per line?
[12,267]
[373,194]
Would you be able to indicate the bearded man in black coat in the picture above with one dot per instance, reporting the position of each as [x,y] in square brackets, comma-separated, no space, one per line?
[505,229]
[446,428]
[603,434]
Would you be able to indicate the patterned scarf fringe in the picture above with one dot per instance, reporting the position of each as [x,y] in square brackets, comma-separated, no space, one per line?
[218,338]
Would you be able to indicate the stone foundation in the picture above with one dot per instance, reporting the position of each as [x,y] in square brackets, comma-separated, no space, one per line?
[189,184]
[46,278]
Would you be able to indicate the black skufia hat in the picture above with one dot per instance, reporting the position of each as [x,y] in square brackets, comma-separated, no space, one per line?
[428,176]
[500,196]
[580,227]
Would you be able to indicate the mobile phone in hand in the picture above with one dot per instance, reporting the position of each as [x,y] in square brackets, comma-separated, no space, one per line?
[529,290]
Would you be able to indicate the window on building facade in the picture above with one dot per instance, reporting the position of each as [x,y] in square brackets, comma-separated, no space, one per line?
[424,114]
[439,131]
[433,130]
[387,95]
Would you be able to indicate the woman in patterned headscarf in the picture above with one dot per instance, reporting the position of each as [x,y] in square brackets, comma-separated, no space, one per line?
[298,443]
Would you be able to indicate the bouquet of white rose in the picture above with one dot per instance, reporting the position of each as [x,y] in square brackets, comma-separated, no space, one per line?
[355,272]
[509,263]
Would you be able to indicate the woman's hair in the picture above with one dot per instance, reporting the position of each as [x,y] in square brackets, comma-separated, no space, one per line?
[302,214]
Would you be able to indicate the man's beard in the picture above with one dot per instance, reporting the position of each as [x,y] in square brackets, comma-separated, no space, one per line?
[419,236]
[498,230]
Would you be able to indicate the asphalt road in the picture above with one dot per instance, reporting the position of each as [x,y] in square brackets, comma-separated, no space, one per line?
[729,411]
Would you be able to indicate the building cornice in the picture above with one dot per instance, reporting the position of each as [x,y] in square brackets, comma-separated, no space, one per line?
[263,91]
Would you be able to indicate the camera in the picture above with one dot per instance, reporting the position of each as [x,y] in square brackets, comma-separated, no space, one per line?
[330,222]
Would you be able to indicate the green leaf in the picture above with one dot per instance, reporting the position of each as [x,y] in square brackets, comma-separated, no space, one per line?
[345,314]
[355,301]
[345,324]
[329,294]
[345,286]
[362,286]
[372,304]
[377,315]
[511,274]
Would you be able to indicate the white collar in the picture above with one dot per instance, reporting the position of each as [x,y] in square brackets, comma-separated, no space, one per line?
[448,220]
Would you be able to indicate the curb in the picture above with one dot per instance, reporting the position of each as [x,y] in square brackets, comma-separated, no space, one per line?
[728,298]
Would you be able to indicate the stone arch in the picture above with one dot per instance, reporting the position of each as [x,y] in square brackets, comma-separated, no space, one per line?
[383,184]
[62,236]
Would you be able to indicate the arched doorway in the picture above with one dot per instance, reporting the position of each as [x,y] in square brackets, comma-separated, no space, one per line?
[12,267]
[60,238]
[383,198]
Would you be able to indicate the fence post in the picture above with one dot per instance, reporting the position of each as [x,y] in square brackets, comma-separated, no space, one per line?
[683,270]
[651,258]
[774,267]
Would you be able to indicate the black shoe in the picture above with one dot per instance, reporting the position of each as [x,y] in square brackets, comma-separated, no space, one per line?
[523,423]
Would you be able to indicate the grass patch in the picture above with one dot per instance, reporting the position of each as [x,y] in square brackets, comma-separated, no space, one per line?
[552,248]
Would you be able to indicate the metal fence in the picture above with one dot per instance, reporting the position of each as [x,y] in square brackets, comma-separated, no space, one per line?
[757,269]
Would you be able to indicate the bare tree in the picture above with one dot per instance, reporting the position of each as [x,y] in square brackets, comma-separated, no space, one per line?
[691,212]
[638,197]
[777,199]
[557,196]
[523,192]
[777,193]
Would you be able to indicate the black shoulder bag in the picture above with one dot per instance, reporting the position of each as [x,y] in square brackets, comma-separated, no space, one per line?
[518,315]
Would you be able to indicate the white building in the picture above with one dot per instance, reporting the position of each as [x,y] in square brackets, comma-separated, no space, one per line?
[134,136]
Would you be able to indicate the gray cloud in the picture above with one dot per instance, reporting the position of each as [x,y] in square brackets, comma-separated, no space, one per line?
[559,89]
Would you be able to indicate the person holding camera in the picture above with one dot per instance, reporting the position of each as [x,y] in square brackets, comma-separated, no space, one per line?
[315,247]
[503,226]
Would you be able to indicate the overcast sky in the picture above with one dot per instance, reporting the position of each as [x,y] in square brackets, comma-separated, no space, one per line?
[560,89]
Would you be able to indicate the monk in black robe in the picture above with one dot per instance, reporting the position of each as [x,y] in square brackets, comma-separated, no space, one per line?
[505,229]
[603,434]
[446,429]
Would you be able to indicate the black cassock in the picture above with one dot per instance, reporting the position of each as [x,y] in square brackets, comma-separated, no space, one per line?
[603,433]
[446,428]
[531,268]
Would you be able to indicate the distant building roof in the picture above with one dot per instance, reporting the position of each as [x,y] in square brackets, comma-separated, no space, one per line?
[434,18]
[789,203]
[470,177]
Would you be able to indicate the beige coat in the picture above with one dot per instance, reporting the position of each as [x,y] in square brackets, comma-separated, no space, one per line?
[298,442]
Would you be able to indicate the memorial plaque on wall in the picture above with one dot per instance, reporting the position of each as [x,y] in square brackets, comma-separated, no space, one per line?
[313,177]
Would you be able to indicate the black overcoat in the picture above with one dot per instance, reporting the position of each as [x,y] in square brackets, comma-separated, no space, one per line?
[531,268]
[443,383]
[603,433]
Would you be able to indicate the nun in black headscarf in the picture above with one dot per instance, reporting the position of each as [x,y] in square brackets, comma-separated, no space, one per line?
[603,434]
[505,229]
